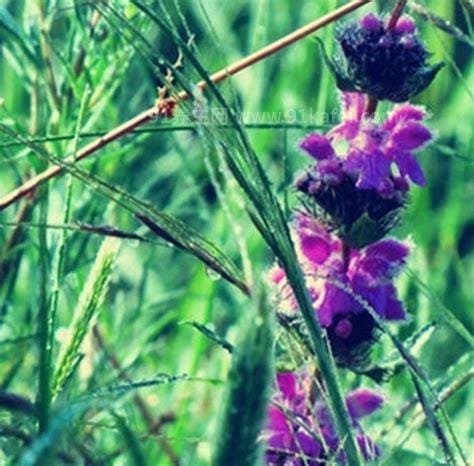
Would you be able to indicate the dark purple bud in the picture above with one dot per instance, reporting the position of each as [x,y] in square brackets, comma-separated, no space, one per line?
[371,23]
[386,64]
[343,328]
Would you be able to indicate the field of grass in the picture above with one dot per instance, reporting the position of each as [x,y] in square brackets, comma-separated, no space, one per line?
[124,281]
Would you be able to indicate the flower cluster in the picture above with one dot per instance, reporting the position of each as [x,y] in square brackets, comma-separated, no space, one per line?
[369,152]
[343,283]
[300,430]
[362,169]
[384,62]
[352,196]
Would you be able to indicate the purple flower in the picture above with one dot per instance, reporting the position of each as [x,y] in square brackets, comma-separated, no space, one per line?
[343,283]
[376,156]
[386,63]
[300,430]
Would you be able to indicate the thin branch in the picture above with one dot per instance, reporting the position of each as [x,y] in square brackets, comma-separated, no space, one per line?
[165,108]
[396,14]
[287,125]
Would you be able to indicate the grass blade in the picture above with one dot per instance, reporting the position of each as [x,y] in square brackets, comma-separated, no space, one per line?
[131,442]
[246,395]
[87,309]
[445,313]
[164,225]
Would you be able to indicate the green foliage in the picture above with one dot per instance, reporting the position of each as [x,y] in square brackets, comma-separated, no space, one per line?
[88,306]
[212,188]
[247,391]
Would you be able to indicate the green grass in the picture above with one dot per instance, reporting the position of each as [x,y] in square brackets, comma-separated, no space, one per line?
[120,379]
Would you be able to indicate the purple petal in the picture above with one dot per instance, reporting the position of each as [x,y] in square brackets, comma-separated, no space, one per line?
[346,130]
[409,136]
[388,254]
[335,301]
[391,249]
[372,295]
[409,166]
[325,313]
[315,242]
[394,309]
[316,248]
[277,421]
[330,171]
[308,446]
[279,434]
[317,146]
[363,402]
[374,269]
[286,382]
[372,169]
[405,25]
[402,113]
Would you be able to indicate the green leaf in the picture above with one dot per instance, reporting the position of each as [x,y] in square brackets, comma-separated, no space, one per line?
[343,81]
[212,335]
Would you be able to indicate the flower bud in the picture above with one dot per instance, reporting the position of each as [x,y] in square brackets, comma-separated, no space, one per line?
[388,64]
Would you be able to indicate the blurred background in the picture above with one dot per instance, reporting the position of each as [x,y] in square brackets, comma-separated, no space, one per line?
[50,53]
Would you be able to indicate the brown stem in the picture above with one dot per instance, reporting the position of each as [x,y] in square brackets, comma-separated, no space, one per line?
[164,108]
[81,57]
[396,14]
[371,108]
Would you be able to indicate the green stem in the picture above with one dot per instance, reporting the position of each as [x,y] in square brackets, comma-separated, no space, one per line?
[326,363]
[44,374]
[60,251]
